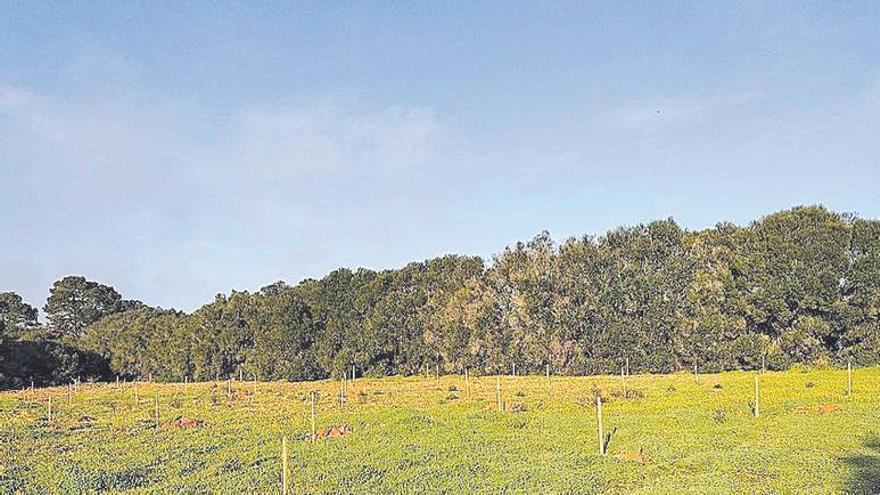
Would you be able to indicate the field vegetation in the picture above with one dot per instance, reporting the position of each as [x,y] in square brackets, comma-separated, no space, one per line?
[675,433]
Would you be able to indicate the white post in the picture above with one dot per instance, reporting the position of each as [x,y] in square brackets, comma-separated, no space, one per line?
[342,393]
[849,378]
[284,465]
[757,398]
[599,422]
[314,435]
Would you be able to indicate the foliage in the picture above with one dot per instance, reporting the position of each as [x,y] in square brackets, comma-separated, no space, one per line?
[797,286]
[16,316]
[74,303]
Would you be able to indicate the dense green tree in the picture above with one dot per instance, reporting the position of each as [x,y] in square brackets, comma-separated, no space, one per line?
[142,342]
[16,316]
[858,311]
[340,302]
[75,302]
[284,334]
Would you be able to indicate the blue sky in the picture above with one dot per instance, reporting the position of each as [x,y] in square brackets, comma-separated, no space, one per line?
[177,150]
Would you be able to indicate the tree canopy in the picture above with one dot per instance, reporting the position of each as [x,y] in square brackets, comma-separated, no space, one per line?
[16,316]
[74,303]
[797,286]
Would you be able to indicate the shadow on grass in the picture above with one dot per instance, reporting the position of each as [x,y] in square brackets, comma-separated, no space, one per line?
[864,469]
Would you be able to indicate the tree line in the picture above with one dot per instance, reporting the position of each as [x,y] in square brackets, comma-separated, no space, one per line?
[796,286]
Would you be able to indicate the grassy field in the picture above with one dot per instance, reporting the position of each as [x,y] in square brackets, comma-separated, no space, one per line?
[671,434]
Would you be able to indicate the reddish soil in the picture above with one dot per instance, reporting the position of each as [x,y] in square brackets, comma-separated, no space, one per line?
[334,432]
[184,423]
[636,457]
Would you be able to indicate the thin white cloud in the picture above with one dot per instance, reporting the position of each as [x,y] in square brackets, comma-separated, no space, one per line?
[141,135]
[12,97]
[333,137]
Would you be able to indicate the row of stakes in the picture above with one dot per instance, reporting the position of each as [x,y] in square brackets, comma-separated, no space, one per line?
[73,389]
[603,440]
[501,406]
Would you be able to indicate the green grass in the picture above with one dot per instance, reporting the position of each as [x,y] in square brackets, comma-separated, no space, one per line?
[426,436]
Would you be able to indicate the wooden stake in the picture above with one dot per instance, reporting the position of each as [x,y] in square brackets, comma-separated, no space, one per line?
[239,374]
[623,377]
[50,409]
[514,369]
[342,393]
[849,378]
[627,366]
[757,398]
[498,392]
[284,465]
[763,363]
[314,435]
[599,423]
[696,375]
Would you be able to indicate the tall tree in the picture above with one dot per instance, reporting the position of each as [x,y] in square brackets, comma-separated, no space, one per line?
[75,302]
[16,316]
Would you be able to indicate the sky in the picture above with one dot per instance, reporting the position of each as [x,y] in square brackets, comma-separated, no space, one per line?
[177,150]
